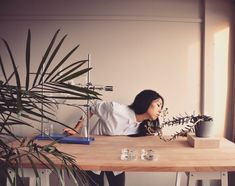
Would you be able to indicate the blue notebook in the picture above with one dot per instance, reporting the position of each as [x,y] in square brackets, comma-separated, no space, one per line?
[62,138]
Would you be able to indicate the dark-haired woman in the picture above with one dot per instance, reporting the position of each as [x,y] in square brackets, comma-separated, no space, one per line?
[119,119]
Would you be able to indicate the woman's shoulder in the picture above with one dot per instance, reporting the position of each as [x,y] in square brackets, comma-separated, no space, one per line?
[109,103]
[118,105]
[121,108]
[111,106]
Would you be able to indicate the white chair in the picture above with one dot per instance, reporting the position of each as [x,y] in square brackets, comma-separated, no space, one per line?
[193,177]
[44,174]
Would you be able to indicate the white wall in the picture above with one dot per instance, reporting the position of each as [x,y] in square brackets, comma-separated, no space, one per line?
[134,45]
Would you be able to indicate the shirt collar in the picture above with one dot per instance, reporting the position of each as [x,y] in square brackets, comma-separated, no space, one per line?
[133,117]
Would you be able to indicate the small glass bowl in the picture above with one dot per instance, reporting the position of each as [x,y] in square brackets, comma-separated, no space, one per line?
[128,154]
[148,154]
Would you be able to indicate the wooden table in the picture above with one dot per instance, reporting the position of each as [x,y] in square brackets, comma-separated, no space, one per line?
[175,156]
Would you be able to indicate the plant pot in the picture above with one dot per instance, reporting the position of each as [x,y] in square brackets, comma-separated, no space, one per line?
[204,129]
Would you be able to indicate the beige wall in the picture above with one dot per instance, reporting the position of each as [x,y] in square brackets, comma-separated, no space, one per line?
[134,45]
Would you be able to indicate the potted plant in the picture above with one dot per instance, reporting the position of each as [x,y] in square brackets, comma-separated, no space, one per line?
[200,124]
[204,126]
[25,101]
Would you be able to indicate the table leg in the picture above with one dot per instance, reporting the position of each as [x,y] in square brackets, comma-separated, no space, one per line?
[12,175]
[191,181]
[206,177]
[44,175]
[224,178]
[178,178]
[206,183]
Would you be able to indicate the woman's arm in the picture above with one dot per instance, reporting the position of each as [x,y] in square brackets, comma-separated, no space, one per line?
[78,126]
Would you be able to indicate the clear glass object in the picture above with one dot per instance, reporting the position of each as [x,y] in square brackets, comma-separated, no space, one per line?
[148,154]
[51,129]
[128,154]
[46,131]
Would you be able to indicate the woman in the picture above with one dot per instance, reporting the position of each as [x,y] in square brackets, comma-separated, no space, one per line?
[119,119]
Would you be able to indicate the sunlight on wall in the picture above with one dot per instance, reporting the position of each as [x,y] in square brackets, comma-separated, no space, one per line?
[221,40]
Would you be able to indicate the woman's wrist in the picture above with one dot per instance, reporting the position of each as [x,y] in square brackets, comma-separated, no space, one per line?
[79,124]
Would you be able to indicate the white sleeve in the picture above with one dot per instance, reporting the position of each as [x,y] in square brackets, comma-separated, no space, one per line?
[102,109]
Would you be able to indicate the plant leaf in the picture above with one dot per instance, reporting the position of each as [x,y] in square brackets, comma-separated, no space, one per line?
[3,70]
[27,57]
[61,63]
[45,57]
[51,59]
[18,90]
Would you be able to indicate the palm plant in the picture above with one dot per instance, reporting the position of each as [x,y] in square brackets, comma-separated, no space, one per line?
[26,101]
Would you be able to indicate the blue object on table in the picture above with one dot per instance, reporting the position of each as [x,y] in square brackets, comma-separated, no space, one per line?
[63,138]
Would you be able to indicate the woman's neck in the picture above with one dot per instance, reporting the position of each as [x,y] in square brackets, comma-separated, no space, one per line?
[141,117]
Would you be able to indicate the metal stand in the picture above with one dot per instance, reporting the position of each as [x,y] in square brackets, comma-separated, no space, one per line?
[93,87]
[76,140]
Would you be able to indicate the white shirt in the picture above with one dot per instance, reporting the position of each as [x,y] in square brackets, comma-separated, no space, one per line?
[114,119]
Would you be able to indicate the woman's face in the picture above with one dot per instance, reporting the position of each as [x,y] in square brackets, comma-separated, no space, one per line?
[155,109]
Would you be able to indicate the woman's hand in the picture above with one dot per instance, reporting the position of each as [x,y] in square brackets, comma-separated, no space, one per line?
[69,132]
[77,128]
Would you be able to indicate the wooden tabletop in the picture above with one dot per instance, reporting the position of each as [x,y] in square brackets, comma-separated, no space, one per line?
[175,156]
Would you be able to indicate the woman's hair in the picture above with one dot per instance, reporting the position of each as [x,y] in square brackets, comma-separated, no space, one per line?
[143,100]
[140,105]
[147,128]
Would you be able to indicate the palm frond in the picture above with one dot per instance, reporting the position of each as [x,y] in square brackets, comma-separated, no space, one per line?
[45,57]
[62,73]
[2,69]
[61,63]
[27,60]
[19,104]
[51,59]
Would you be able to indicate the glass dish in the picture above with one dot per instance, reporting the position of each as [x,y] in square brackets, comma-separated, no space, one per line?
[128,154]
[149,155]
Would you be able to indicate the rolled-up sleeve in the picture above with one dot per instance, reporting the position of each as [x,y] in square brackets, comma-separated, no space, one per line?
[102,109]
